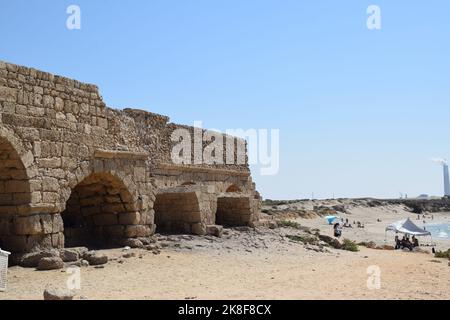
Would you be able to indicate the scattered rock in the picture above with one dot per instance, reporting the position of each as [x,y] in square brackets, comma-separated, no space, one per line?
[31,260]
[154,246]
[214,230]
[95,259]
[330,241]
[69,255]
[146,241]
[273,225]
[371,245]
[58,294]
[129,255]
[81,250]
[50,263]
[133,243]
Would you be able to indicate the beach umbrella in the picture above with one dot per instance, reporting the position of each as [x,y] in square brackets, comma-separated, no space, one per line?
[330,219]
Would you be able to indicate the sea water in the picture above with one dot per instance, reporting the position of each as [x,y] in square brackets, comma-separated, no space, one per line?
[439,231]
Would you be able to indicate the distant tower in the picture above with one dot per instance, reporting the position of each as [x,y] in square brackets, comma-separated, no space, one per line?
[446,181]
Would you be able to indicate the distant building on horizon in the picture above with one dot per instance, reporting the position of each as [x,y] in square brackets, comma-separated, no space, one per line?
[446,181]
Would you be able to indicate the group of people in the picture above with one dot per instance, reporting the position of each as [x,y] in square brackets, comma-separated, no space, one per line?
[406,243]
[347,224]
[338,226]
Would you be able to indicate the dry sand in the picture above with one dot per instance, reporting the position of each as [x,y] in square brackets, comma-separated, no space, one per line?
[261,264]
[374,230]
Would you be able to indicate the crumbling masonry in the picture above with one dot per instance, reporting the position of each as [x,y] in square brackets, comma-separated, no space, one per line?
[75,172]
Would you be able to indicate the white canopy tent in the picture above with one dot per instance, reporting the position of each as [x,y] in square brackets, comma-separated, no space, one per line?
[408,227]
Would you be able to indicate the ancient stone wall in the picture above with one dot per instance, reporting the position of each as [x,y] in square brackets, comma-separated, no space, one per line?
[72,169]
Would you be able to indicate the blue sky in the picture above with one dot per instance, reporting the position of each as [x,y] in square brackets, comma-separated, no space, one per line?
[360,112]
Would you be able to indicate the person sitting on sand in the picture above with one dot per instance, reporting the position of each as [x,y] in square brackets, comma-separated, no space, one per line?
[407,244]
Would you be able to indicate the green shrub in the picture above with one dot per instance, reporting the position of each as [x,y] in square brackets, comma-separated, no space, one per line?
[350,245]
[303,239]
[289,224]
[442,254]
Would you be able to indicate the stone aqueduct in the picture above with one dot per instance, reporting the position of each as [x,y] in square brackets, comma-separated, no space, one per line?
[75,172]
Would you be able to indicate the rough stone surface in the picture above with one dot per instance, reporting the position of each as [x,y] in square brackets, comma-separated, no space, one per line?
[50,263]
[214,230]
[74,172]
[69,255]
[58,294]
[95,259]
[133,243]
[31,260]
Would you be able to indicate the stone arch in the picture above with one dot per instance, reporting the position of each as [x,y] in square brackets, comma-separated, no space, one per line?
[15,192]
[233,210]
[25,155]
[99,211]
[178,211]
[233,189]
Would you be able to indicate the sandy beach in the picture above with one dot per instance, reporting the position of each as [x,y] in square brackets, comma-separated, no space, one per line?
[261,263]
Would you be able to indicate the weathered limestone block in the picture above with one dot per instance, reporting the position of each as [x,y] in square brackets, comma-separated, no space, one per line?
[27,225]
[8,94]
[31,260]
[52,294]
[214,230]
[198,229]
[95,259]
[57,223]
[50,263]
[69,255]
[130,218]
[46,223]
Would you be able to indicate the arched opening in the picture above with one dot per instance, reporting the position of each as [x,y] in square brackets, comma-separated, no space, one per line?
[233,189]
[177,212]
[14,190]
[233,211]
[97,212]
